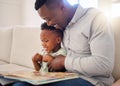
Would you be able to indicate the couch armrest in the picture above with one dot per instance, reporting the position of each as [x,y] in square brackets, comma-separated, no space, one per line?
[116,29]
[5,43]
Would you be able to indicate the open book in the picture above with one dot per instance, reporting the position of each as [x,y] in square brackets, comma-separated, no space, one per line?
[9,68]
[38,78]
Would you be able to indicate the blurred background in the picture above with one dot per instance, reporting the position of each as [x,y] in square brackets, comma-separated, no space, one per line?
[22,12]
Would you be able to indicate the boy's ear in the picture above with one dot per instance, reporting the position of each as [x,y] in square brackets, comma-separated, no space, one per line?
[59,40]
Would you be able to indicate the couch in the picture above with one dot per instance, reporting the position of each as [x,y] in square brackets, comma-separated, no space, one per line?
[17,46]
[116,29]
[19,43]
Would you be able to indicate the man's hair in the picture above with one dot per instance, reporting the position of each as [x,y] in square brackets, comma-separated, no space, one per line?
[59,32]
[40,3]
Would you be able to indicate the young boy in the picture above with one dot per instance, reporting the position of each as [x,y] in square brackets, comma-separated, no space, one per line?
[51,41]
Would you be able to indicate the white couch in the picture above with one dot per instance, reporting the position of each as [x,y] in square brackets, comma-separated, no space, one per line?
[18,45]
[116,29]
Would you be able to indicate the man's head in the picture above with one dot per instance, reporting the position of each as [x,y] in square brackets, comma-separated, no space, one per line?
[55,12]
[48,3]
[50,37]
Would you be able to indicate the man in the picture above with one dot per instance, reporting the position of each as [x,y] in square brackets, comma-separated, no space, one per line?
[87,38]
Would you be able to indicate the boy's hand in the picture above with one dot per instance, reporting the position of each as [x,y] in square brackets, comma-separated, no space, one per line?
[37,59]
[48,58]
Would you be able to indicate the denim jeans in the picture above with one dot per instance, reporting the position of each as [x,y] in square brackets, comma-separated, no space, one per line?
[71,82]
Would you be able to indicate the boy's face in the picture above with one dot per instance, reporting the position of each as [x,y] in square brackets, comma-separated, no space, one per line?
[50,40]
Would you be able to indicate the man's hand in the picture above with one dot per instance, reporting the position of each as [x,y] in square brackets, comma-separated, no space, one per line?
[57,64]
[117,83]
[37,59]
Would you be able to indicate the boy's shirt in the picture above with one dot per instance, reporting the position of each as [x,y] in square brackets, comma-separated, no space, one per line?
[44,67]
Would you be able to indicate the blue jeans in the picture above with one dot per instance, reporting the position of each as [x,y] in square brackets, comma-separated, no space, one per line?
[72,82]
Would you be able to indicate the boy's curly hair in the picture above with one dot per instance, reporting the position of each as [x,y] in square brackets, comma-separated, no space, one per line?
[44,26]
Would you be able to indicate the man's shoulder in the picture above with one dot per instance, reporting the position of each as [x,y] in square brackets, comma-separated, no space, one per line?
[93,11]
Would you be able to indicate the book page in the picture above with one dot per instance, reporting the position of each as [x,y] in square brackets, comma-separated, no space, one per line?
[37,78]
[39,75]
[9,68]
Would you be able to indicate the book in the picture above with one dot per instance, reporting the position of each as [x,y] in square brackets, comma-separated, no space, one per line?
[9,68]
[39,78]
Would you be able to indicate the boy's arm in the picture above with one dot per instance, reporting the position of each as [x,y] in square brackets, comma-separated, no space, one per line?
[48,58]
[37,59]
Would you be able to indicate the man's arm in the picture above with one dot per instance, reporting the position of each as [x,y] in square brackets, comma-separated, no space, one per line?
[57,64]
[100,60]
[117,83]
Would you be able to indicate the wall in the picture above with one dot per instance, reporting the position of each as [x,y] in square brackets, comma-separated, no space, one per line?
[106,6]
[30,15]
[22,12]
[10,12]
[18,12]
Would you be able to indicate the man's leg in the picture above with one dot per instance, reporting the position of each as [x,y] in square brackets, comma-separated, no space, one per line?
[22,84]
[72,82]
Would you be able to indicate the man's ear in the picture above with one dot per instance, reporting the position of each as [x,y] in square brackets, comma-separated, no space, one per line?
[61,5]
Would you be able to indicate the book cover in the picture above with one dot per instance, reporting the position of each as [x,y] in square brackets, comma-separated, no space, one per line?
[38,78]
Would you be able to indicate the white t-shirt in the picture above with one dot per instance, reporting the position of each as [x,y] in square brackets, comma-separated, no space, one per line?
[44,67]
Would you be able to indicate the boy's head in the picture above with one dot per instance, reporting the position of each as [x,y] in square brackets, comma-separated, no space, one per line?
[50,37]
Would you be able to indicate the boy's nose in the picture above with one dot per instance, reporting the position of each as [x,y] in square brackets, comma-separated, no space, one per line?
[44,45]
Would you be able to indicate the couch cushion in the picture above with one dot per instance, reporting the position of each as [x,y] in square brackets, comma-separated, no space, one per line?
[5,43]
[116,29]
[9,68]
[3,62]
[26,42]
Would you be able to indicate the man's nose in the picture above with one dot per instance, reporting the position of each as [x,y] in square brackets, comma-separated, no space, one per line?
[50,23]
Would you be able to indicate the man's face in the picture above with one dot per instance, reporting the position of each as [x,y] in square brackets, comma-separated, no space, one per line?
[53,17]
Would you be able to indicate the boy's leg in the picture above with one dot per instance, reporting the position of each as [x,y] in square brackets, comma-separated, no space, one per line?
[72,82]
